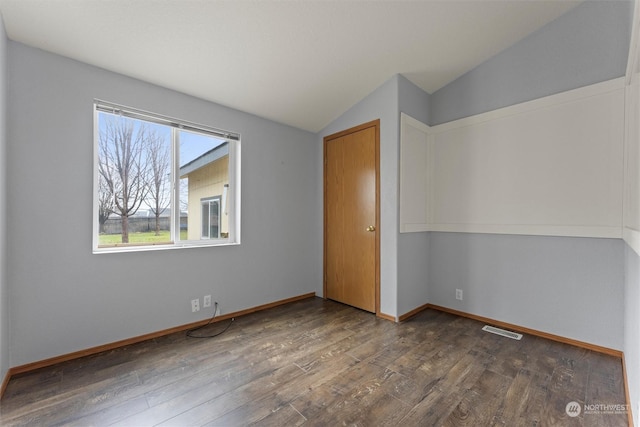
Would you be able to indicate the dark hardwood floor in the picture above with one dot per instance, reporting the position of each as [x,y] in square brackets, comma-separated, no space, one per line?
[319,363]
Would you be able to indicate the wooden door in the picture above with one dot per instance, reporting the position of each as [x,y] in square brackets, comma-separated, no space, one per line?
[351,217]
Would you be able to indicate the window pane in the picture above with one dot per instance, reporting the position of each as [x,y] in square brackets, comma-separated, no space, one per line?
[214,219]
[205,220]
[204,171]
[134,181]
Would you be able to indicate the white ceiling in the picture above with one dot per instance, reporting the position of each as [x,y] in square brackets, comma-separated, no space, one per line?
[301,63]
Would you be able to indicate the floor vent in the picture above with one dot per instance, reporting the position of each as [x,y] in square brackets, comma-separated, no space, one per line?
[502,332]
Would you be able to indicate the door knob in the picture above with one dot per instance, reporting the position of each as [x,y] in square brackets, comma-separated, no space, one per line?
[371,228]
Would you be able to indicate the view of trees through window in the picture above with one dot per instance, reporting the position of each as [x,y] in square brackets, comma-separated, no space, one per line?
[153,179]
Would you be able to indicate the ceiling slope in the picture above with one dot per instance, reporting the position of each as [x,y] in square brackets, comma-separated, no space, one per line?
[302,63]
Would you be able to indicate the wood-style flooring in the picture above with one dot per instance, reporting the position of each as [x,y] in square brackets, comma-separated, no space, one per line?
[320,363]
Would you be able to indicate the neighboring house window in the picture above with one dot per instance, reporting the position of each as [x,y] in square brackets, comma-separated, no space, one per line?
[161,182]
[210,218]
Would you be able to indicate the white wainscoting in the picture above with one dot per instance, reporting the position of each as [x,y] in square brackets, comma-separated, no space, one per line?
[414,175]
[553,166]
[631,222]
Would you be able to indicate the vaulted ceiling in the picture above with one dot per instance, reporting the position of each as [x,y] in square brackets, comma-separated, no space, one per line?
[302,63]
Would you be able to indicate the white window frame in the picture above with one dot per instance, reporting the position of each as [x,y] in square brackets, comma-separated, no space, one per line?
[230,205]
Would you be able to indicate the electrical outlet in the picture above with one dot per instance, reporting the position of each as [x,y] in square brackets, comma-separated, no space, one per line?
[459,294]
[206,302]
[195,305]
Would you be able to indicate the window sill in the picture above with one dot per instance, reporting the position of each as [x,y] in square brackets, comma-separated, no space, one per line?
[161,247]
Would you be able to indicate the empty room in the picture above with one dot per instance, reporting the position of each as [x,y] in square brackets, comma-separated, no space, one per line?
[321,212]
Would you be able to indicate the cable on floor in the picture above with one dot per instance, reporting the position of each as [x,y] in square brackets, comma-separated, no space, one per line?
[215,310]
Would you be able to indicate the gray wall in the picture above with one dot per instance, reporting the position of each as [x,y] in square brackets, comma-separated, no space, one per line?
[413,101]
[571,287]
[505,276]
[587,45]
[632,327]
[586,289]
[4,291]
[413,248]
[64,298]
[380,104]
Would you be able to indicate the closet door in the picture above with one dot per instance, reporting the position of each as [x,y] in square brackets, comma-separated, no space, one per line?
[351,242]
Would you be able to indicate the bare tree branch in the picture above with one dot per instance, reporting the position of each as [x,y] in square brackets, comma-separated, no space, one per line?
[123,166]
[159,188]
[105,203]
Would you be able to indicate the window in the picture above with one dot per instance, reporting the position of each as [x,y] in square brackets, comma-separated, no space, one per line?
[161,182]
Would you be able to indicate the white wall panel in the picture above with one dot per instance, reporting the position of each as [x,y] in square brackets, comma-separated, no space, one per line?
[632,166]
[414,175]
[553,166]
